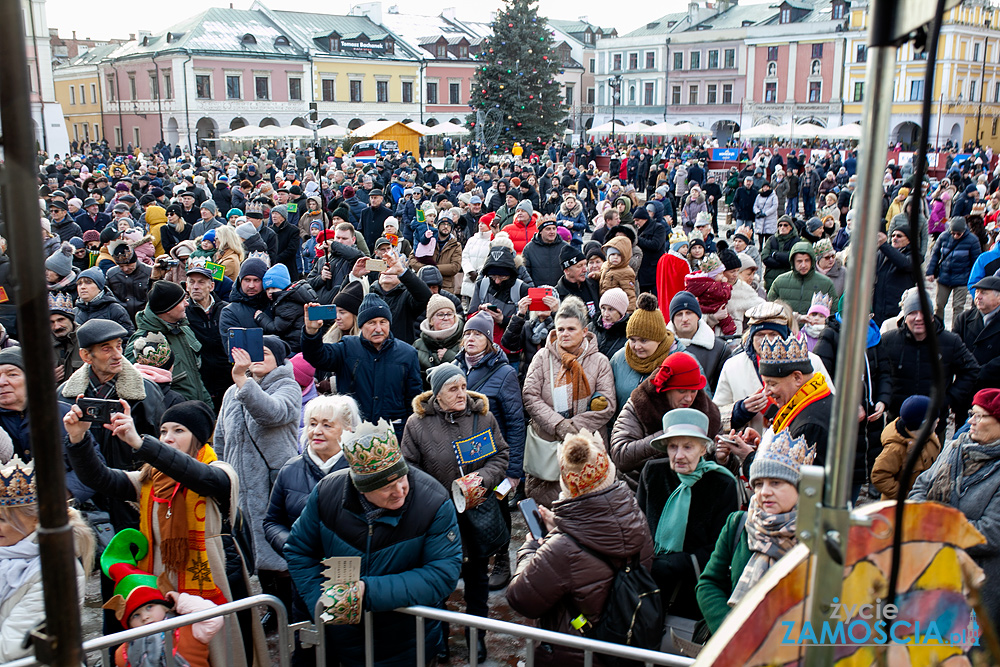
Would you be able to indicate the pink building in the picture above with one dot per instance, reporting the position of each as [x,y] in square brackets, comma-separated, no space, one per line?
[448,74]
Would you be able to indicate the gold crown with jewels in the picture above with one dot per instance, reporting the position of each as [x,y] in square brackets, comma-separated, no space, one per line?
[372,448]
[17,483]
[791,350]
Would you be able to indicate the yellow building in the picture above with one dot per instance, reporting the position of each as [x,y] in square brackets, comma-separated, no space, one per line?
[966,91]
[78,90]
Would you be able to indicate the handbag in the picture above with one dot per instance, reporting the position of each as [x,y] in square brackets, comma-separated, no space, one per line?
[541,456]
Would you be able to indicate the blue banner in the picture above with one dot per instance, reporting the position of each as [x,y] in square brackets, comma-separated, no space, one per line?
[476,448]
[725,154]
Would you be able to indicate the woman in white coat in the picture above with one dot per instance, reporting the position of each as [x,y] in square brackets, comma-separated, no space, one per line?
[22,606]
[477,249]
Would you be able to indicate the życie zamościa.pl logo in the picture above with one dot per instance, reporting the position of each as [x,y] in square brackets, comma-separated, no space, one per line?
[882,625]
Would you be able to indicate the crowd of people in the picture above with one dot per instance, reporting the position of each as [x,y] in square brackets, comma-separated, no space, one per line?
[647,352]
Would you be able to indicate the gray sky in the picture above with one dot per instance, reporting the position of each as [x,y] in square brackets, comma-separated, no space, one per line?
[130,17]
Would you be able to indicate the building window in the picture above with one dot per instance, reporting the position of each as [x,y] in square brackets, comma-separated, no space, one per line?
[407,92]
[972,91]
[463,51]
[83,94]
[93,93]
[455,94]
[693,95]
[996,93]
[72,95]
[817,50]
[772,53]
[838,10]
[590,96]
[617,59]
[786,16]
[675,95]
[432,93]
[132,94]
[168,87]
[441,51]
[727,93]
[679,60]
[232,87]
[633,61]
[647,94]
[382,91]
[713,59]
[815,91]
[593,65]
[730,59]
[588,37]
[770,92]
[97,132]
[862,54]
[650,60]
[917,90]
[154,87]
[569,96]
[713,94]
[335,44]
[859,91]
[295,88]
[118,137]
[631,94]
[975,52]
[203,86]
[262,87]
[696,60]
[135,137]
[355,90]
[111,90]
[328,90]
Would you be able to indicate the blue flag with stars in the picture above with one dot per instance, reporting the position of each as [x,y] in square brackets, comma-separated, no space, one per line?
[476,448]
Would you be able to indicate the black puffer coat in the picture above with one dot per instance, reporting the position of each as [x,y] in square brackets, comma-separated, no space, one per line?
[285,316]
[130,288]
[610,340]
[892,278]
[104,306]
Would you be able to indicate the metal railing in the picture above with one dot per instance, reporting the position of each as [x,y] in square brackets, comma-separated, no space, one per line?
[165,626]
[532,636]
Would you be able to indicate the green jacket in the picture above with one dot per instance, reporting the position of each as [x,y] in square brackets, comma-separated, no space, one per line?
[722,572]
[797,290]
[185,347]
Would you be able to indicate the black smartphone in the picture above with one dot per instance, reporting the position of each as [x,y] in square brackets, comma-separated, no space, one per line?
[251,340]
[494,308]
[317,313]
[98,410]
[529,509]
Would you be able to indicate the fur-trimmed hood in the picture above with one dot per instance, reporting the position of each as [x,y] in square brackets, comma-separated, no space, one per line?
[423,406]
[128,385]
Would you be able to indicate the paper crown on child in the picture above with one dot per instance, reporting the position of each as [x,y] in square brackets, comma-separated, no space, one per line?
[782,458]
[822,247]
[17,483]
[261,255]
[152,349]
[61,303]
[821,303]
[710,263]
[678,237]
[134,588]
[374,457]
[782,357]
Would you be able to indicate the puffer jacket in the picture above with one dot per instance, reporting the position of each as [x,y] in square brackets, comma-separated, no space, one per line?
[892,278]
[574,219]
[520,233]
[131,288]
[767,209]
[908,362]
[240,310]
[104,306]
[427,346]
[897,443]
[797,290]
[285,316]
[558,580]
[429,433]
[776,256]
[295,481]
[623,275]
[496,379]
[407,302]
[257,432]
[342,260]
[952,259]
[541,259]
[410,556]
[641,420]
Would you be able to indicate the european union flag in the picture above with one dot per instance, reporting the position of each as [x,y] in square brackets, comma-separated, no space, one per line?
[476,448]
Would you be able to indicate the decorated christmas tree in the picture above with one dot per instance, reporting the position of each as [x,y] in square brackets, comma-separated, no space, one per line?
[516,77]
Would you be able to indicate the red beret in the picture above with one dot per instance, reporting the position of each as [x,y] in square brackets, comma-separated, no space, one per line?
[679,371]
[989,400]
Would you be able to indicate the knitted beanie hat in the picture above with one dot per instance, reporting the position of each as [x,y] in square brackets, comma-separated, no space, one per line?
[617,299]
[647,320]
[350,297]
[684,300]
[441,375]
[164,296]
[584,465]
[782,458]
[195,416]
[61,261]
[912,412]
[95,275]
[373,306]
[438,302]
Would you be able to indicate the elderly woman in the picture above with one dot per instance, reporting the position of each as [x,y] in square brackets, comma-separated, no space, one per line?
[188,503]
[22,606]
[686,499]
[829,265]
[752,541]
[569,387]
[487,371]
[648,344]
[440,335]
[566,572]
[256,434]
[450,435]
[677,384]
[967,476]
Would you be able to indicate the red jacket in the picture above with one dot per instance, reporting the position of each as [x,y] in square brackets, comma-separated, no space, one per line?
[520,235]
[670,272]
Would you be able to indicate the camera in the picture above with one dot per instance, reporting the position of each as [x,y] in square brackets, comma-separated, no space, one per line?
[166,263]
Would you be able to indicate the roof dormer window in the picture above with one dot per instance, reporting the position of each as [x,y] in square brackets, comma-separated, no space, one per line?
[248,39]
[281,40]
[334,43]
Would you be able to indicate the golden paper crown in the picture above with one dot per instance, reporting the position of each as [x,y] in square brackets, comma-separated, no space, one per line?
[787,451]
[791,350]
[372,448]
[822,299]
[17,483]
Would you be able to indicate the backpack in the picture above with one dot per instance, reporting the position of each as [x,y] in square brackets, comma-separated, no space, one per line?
[633,611]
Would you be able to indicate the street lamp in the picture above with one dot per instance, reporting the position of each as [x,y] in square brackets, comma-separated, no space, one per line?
[982,76]
[615,82]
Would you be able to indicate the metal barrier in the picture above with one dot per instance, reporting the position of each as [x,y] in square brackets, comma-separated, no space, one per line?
[113,640]
[531,635]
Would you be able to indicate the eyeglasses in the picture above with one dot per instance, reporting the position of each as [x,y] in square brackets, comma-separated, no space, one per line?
[978,416]
[444,315]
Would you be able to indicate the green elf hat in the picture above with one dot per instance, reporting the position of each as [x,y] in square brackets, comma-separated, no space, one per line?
[134,588]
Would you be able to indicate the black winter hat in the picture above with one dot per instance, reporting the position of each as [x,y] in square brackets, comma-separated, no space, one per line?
[12,356]
[569,256]
[278,348]
[350,298]
[164,296]
[730,259]
[195,416]
[684,301]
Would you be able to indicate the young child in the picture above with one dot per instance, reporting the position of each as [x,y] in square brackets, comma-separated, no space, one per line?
[616,272]
[897,442]
[207,246]
[140,599]
[709,286]
[815,319]
[285,316]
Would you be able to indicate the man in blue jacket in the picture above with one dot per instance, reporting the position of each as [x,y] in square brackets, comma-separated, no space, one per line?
[402,525]
[380,371]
